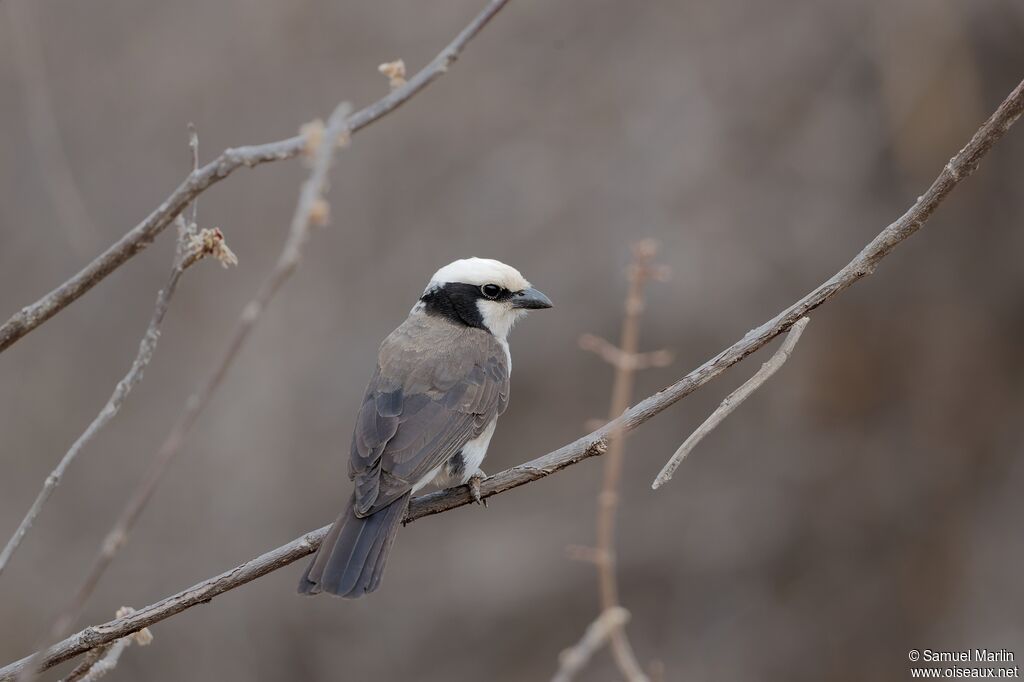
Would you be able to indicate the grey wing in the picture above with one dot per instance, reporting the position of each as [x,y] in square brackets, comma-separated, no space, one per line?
[418,412]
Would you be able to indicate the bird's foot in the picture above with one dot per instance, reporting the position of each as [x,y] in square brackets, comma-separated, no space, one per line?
[474,487]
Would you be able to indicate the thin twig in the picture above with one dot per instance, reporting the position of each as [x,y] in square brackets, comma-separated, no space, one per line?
[102,660]
[574,659]
[732,401]
[641,270]
[616,357]
[91,658]
[308,213]
[103,665]
[193,147]
[183,259]
[962,165]
[140,236]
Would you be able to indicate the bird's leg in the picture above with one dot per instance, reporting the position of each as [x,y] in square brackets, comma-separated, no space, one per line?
[473,482]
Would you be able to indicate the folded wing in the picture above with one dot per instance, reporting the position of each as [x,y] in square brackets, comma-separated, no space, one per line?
[436,387]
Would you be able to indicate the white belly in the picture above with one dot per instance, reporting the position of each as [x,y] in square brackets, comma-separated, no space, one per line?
[474,451]
[473,454]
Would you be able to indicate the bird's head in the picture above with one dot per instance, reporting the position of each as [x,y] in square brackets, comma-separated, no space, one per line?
[482,293]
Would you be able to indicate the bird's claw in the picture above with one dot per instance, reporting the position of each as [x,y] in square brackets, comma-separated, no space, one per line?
[474,487]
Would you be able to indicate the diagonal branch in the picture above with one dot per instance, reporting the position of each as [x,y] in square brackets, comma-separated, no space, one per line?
[962,165]
[140,236]
[732,401]
[104,659]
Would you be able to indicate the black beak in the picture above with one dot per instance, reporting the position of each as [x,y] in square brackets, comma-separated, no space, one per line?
[530,299]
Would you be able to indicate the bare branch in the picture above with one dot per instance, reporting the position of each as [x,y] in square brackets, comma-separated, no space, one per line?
[625,360]
[183,259]
[109,659]
[99,635]
[102,660]
[91,658]
[962,165]
[309,206]
[573,660]
[193,146]
[616,357]
[732,401]
[140,236]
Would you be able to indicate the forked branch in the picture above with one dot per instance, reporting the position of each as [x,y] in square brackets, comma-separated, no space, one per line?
[959,167]
[625,358]
[575,658]
[143,234]
[732,401]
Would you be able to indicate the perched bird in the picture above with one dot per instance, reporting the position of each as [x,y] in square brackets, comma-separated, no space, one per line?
[441,382]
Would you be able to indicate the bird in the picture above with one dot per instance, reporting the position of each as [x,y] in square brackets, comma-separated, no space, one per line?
[428,414]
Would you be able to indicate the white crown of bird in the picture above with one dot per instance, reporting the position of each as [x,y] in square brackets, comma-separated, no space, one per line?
[479,271]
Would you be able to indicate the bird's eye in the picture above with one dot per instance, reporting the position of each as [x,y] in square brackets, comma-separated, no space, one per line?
[490,290]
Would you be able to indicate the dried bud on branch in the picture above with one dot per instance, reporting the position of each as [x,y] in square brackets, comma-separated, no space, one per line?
[210,242]
[104,659]
[312,134]
[395,71]
[319,213]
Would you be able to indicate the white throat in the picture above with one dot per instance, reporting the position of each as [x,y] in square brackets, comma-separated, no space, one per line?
[499,317]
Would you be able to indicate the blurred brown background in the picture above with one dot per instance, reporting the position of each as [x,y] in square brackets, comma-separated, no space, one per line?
[865,502]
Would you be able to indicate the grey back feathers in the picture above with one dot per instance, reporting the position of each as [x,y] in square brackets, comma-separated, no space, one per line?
[437,386]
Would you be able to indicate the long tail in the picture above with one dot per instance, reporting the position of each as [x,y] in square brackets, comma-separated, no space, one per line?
[351,559]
